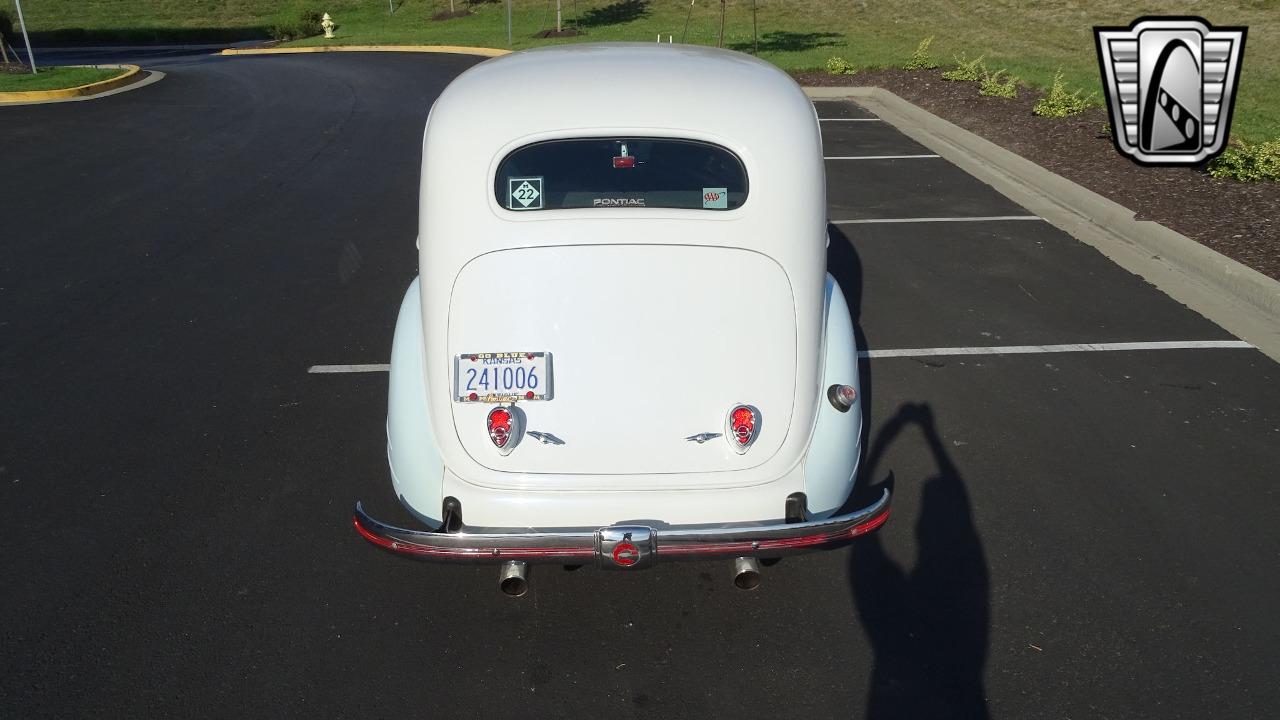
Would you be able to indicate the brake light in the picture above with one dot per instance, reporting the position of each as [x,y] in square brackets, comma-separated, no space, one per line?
[623,160]
[743,426]
[504,428]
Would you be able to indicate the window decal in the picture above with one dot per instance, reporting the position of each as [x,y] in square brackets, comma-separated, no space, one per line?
[524,193]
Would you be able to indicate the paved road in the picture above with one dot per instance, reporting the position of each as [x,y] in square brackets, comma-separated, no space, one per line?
[1075,535]
[148,56]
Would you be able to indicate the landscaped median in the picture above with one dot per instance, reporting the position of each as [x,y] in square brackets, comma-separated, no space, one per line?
[64,82]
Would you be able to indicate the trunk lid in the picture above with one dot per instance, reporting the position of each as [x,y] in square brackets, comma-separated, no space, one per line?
[650,344]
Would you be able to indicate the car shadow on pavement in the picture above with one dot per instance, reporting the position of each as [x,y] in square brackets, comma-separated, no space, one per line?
[928,625]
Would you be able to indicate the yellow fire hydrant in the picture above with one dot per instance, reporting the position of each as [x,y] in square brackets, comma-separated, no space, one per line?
[326,22]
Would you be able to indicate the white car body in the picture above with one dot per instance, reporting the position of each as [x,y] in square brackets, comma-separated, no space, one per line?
[658,320]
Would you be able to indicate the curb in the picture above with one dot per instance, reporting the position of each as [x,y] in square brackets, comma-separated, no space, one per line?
[94,88]
[1240,299]
[454,49]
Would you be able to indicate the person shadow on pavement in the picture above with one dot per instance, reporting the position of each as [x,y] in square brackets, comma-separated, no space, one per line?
[929,626]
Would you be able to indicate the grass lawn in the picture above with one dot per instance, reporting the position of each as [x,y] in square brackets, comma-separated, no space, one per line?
[54,78]
[1030,40]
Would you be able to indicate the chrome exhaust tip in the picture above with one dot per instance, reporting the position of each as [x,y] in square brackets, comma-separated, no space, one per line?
[746,573]
[513,578]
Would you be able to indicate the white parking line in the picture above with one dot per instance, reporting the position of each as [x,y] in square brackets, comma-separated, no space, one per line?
[321,369]
[880,157]
[990,218]
[1081,347]
[938,352]
[849,120]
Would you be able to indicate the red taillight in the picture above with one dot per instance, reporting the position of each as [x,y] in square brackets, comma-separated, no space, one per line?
[743,427]
[842,397]
[628,161]
[502,428]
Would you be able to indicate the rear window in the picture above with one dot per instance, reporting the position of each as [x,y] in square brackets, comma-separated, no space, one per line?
[621,172]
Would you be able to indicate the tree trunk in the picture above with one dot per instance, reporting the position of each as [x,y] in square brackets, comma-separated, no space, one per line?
[720,42]
[755,35]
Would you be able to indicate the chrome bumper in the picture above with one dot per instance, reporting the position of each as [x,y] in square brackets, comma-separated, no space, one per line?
[629,547]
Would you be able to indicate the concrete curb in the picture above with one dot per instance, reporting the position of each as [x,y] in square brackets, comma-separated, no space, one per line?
[454,49]
[1240,299]
[27,96]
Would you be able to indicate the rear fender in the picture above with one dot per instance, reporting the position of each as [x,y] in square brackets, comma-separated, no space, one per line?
[417,470]
[831,466]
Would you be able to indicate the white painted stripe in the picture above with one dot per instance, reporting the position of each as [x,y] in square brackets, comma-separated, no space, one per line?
[849,119]
[867,221]
[935,352]
[1034,349]
[321,369]
[880,157]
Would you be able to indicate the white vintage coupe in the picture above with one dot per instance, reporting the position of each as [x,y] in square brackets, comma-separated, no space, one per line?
[623,346]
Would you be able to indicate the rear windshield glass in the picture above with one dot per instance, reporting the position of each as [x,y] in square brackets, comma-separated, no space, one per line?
[621,172]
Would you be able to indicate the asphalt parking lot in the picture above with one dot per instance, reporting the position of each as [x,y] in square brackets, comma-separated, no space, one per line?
[1091,533]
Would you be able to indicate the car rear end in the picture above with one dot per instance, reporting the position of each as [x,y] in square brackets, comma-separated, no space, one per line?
[623,335]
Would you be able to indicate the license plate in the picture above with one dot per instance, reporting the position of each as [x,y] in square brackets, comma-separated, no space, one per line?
[502,377]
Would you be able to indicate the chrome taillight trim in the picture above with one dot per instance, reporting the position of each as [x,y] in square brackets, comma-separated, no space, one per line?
[730,433]
[514,430]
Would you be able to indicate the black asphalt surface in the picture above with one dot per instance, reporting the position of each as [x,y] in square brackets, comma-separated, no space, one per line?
[922,187]
[1089,535]
[1014,282]
[861,137]
[149,56]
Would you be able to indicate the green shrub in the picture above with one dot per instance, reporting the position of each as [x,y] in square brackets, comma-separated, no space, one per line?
[6,25]
[1248,162]
[920,59]
[991,86]
[307,25]
[309,21]
[1060,103]
[839,66]
[965,70]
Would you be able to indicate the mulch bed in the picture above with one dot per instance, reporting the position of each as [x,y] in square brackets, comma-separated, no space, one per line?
[14,68]
[1239,220]
[446,15]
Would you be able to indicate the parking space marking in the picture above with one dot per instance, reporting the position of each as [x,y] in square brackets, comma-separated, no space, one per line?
[850,120]
[938,352]
[1081,347]
[880,157]
[325,369]
[989,218]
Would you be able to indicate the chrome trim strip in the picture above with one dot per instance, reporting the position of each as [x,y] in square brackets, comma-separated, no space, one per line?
[571,547]
[701,438]
[545,438]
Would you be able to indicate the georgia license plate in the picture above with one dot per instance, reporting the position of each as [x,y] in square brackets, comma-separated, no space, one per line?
[502,377]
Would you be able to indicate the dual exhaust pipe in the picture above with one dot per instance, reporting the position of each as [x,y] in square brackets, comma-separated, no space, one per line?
[513,576]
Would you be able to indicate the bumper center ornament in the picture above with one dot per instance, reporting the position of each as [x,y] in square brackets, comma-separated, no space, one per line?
[625,547]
